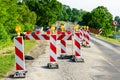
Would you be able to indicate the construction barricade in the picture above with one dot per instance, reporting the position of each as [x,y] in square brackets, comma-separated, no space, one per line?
[86,38]
[77,48]
[62,36]
[19,57]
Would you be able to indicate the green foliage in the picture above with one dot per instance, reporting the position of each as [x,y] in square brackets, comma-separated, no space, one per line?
[46,10]
[86,18]
[28,26]
[4,37]
[13,14]
[25,15]
[101,18]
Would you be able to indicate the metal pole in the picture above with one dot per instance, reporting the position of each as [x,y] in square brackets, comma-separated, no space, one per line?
[115,32]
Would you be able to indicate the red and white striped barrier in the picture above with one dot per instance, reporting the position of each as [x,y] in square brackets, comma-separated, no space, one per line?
[77,48]
[64,36]
[63,46]
[100,31]
[81,34]
[53,49]
[19,56]
[86,39]
[37,37]
[77,44]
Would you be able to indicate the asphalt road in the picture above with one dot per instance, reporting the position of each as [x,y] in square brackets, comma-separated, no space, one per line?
[102,62]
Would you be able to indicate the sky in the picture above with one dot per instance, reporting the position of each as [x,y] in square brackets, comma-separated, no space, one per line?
[113,6]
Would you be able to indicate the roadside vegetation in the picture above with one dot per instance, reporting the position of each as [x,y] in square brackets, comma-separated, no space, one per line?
[43,13]
[112,40]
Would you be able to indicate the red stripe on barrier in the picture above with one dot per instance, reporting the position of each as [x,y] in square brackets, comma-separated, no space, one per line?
[77,34]
[26,37]
[19,39]
[52,59]
[54,37]
[53,48]
[63,42]
[18,53]
[60,37]
[46,37]
[35,37]
[76,53]
[18,67]
[70,38]
[77,44]
[62,51]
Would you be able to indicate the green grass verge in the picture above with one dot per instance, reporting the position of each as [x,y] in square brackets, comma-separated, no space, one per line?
[7,61]
[116,41]
[4,44]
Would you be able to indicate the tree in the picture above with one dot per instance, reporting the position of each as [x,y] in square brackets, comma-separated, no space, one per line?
[101,18]
[46,10]
[26,18]
[86,18]
[9,15]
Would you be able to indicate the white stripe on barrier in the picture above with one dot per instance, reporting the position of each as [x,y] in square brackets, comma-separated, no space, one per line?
[63,47]
[30,37]
[20,62]
[77,49]
[77,38]
[18,45]
[40,37]
[66,37]
[53,41]
[53,55]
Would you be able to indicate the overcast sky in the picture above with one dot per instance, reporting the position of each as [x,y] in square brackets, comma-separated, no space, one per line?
[112,5]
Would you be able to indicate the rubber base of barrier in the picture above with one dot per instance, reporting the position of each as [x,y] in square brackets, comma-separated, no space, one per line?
[86,46]
[76,59]
[19,74]
[53,66]
[65,56]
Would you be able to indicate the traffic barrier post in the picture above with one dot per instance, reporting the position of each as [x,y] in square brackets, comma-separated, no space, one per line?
[53,53]
[19,57]
[77,48]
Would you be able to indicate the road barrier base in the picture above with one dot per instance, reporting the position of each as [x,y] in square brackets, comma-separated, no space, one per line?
[52,65]
[20,74]
[77,59]
[87,46]
[65,56]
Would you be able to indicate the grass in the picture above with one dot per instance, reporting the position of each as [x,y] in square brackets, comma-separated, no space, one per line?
[6,64]
[7,60]
[5,44]
[116,41]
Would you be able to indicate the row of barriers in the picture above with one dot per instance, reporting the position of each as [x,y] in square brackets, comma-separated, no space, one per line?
[80,38]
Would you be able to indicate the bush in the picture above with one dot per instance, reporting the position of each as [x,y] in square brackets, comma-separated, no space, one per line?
[28,26]
[4,37]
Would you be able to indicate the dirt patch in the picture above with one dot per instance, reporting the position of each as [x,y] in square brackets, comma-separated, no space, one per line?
[35,52]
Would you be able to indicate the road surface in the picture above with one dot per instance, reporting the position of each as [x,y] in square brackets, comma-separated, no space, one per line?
[102,62]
